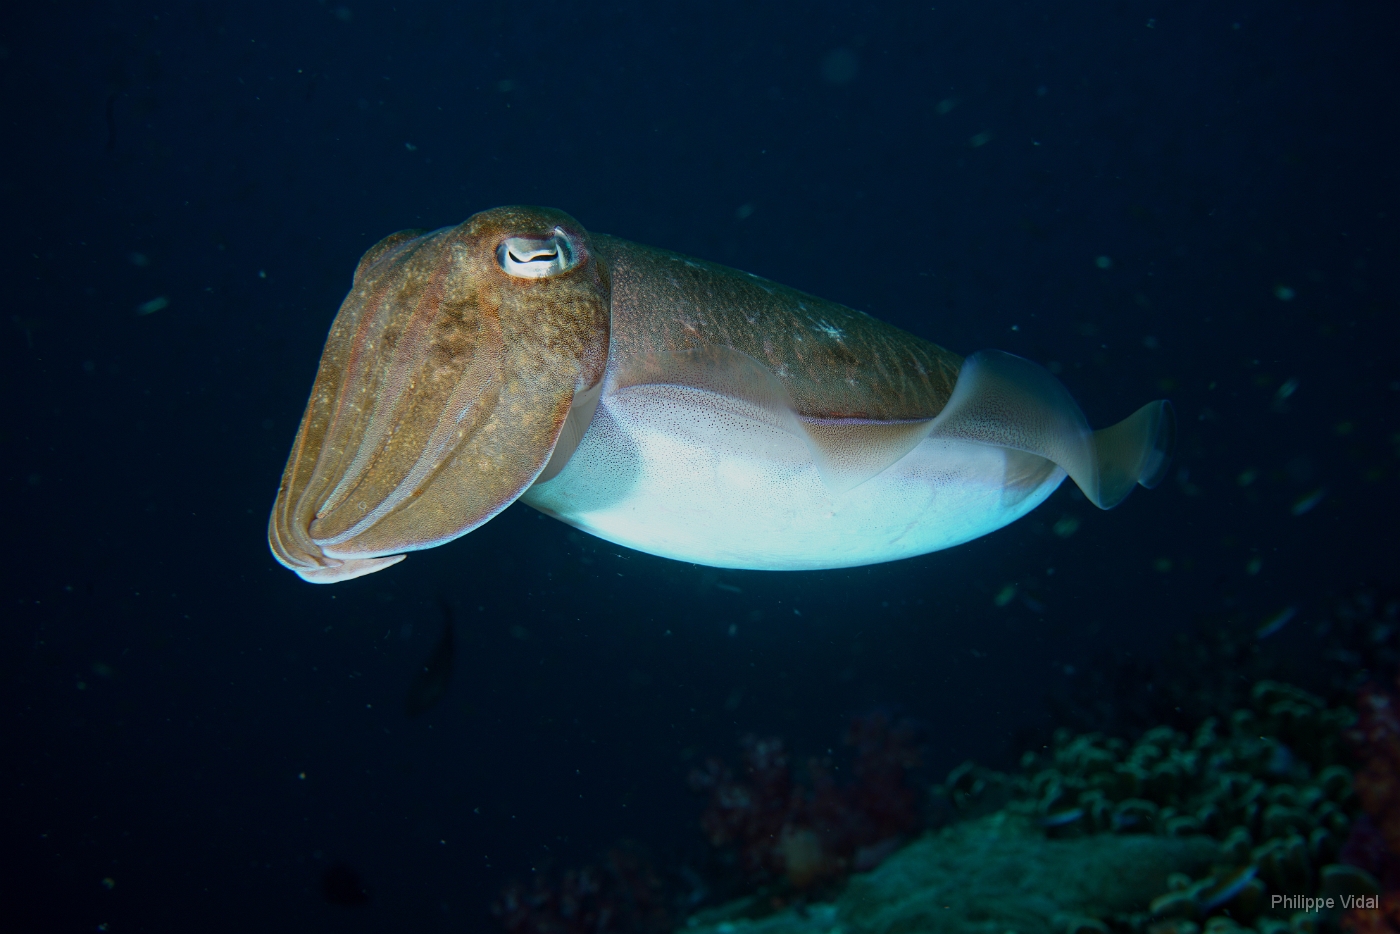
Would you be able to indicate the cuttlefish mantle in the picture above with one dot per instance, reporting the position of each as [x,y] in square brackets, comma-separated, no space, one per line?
[666,404]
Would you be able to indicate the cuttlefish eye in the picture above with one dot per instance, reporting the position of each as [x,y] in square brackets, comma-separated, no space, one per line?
[537,257]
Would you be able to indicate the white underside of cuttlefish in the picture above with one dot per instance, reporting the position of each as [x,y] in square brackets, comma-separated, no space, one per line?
[705,461]
[644,479]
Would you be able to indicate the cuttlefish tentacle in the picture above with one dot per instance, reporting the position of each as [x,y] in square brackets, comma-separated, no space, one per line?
[667,404]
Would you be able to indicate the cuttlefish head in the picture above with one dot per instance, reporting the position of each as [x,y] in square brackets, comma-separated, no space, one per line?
[443,388]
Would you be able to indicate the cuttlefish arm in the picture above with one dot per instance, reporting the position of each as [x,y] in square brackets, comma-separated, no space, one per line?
[445,383]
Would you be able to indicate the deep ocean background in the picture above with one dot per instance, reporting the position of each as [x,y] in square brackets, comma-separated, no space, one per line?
[1189,199]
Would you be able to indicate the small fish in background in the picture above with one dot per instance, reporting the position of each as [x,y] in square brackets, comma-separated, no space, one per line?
[1005,595]
[1307,503]
[1282,395]
[1062,818]
[1227,887]
[1276,622]
[430,683]
[156,304]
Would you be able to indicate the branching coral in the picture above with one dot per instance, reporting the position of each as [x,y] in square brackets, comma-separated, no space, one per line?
[622,893]
[1384,919]
[1375,840]
[809,834]
[1377,740]
[778,828]
[1269,784]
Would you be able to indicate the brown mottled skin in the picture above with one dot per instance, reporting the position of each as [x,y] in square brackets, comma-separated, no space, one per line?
[445,382]
[834,362]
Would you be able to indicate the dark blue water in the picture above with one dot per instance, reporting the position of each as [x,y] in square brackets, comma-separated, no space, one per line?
[1189,199]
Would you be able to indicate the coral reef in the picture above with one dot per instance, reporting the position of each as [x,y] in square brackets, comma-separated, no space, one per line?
[622,893]
[1244,804]
[1270,786]
[995,874]
[797,836]
[1376,737]
[778,829]
[1176,833]
[1374,843]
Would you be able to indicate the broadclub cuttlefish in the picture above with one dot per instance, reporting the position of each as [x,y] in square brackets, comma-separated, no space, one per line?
[667,404]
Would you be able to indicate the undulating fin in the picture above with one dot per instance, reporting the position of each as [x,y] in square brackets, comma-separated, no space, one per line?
[1136,451]
[1025,474]
[1004,400]
[850,451]
[847,452]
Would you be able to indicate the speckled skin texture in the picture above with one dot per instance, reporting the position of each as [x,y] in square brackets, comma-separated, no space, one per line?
[836,363]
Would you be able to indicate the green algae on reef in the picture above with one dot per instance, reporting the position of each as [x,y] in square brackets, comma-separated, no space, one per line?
[1176,833]
[996,874]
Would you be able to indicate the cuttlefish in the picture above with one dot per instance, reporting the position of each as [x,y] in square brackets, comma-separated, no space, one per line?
[667,404]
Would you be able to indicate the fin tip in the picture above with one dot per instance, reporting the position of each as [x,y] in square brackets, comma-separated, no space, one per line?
[1163,445]
[1135,452]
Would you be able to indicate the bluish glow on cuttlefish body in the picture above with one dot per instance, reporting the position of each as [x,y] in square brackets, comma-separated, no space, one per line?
[666,404]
